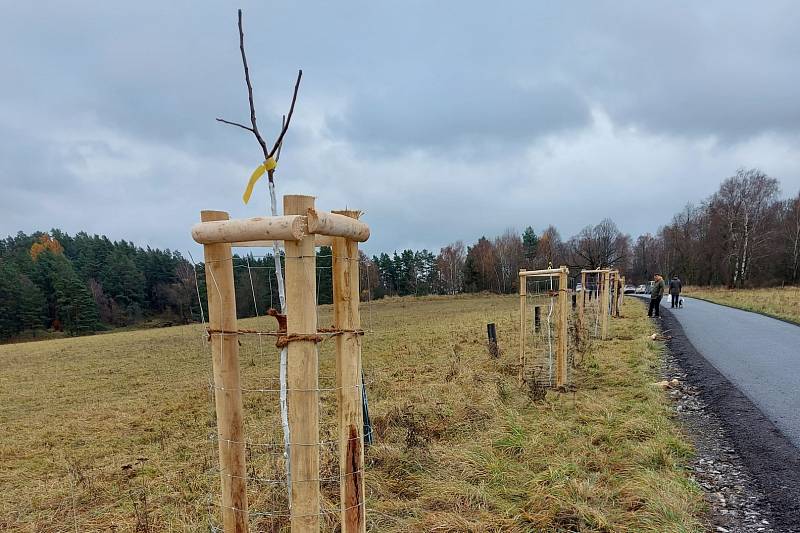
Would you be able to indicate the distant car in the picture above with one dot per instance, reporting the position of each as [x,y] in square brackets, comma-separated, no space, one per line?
[641,289]
[578,287]
[629,289]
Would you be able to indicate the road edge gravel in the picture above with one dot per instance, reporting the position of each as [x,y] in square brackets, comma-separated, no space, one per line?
[770,458]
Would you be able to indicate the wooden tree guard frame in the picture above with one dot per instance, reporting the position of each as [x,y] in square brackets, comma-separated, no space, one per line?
[604,280]
[561,326]
[301,228]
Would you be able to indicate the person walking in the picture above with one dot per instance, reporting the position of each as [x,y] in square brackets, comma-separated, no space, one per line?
[675,287]
[656,292]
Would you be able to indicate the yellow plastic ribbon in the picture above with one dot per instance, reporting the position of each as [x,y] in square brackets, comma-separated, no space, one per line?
[267,165]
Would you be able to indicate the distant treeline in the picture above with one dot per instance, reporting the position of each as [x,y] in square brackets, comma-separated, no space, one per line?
[743,235]
[83,284]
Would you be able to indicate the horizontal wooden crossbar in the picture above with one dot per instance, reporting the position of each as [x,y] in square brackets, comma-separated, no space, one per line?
[285,228]
[336,225]
[544,272]
[319,240]
[262,231]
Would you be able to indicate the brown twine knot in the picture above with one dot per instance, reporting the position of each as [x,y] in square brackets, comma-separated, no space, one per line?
[284,340]
[211,332]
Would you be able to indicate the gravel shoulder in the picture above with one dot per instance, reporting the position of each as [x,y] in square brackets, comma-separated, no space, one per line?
[749,469]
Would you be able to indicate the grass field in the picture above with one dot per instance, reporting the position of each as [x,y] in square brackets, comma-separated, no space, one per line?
[779,302]
[111,433]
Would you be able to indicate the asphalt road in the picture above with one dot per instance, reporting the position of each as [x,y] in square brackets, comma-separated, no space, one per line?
[757,354]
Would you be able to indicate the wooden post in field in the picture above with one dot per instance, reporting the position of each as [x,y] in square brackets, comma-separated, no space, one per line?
[563,314]
[581,310]
[605,303]
[621,296]
[346,317]
[612,282]
[523,291]
[227,388]
[302,372]
[583,290]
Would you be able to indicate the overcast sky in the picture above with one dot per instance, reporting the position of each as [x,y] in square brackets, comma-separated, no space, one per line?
[441,120]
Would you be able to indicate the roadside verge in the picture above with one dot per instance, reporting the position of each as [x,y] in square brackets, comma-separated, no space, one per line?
[769,456]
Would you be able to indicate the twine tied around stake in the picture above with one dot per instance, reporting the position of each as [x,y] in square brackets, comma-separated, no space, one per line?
[283,339]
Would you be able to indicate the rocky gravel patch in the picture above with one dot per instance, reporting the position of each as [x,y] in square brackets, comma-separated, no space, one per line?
[735,502]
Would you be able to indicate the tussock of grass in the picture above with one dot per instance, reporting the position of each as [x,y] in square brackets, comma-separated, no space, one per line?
[106,430]
[779,302]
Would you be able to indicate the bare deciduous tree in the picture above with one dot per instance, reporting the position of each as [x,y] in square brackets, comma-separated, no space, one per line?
[271,156]
[790,225]
[550,250]
[509,253]
[600,246]
[451,267]
[743,204]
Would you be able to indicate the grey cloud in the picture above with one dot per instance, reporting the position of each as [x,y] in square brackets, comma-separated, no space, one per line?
[475,88]
[435,114]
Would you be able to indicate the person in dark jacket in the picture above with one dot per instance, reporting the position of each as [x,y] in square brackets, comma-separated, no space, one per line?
[675,287]
[655,296]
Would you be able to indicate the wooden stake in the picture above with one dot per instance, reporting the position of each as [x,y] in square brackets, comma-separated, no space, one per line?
[227,393]
[302,372]
[348,382]
[561,346]
[605,304]
[581,310]
[611,294]
[523,291]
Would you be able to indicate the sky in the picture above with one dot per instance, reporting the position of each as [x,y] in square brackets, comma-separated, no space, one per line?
[440,120]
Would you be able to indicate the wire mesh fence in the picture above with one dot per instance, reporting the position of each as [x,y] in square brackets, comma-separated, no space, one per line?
[267,441]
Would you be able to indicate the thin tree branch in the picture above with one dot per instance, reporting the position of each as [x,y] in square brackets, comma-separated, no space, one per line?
[275,151]
[248,128]
[278,153]
[279,140]
[250,92]
[271,173]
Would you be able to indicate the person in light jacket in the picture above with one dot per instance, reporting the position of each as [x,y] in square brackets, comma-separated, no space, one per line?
[675,287]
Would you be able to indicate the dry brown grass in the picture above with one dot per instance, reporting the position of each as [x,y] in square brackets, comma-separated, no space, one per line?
[779,302]
[110,433]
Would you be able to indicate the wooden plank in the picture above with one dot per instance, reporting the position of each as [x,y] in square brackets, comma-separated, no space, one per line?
[523,291]
[544,272]
[348,382]
[302,373]
[319,240]
[581,311]
[337,225]
[227,393]
[562,324]
[605,303]
[285,228]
